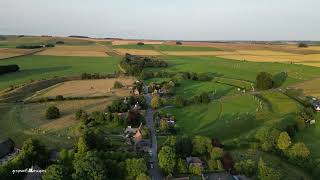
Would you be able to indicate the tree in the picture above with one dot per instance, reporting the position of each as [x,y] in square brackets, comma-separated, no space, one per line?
[164,125]
[196,170]
[201,145]
[184,146]
[284,141]
[215,165]
[167,159]
[216,153]
[89,166]
[267,137]
[155,102]
[267,173]
[171,141]
[135,167]
[52,112]
[182,166]
[142,177]
[264,81]
[82,146]
[56,172]
[246,167]
[299,150]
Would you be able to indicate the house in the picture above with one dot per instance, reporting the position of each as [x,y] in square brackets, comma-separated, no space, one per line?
[136,92]
[6,147]
[195,161]
[134,134]
[315,103]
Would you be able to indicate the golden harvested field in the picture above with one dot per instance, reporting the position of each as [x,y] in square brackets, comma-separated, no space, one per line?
[126,42]
[198,53]
[139,52]
[311,87]
[12,52]
[265,53]
[64,50]
[87,88]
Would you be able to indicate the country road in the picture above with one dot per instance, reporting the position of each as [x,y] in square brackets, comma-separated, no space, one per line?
[154,172]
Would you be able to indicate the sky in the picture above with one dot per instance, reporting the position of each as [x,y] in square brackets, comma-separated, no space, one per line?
[164,19]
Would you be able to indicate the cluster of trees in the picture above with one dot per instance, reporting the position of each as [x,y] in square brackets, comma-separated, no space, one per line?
[34,46]
[98,76]
[195,76]
[32,153]
[134,64]
[140,43]
[127,103]
[9,68]
[302,45]
[172,156]
[166,87]
[203,98]
[59,42]
[273,140]
[266,81]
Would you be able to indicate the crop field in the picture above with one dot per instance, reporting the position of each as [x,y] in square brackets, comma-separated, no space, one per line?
[67,50]
[134,42]
[87,88]
[160,47]
[311,88]
[22,121]
[40,67]
[13,41]
[138,52]
[12,52]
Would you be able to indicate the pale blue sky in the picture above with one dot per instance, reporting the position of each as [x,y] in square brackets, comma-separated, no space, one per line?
[165,19]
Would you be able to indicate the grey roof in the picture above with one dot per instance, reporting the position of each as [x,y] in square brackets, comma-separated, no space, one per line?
[6,147]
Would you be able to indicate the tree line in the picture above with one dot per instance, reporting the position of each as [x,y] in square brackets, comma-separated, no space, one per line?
[9,68]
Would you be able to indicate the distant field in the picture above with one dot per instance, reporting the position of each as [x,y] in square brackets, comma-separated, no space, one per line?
[159,47]
[87,88]
[66,50]
[12,52]
[39,67]
[239,69]
[12,42]
[23,121]
[138,52]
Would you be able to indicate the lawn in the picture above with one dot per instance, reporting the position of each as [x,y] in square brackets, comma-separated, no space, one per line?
[161,47]
[240,69]
[40,67]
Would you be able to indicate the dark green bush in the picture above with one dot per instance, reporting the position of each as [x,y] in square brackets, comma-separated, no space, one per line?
[52,113]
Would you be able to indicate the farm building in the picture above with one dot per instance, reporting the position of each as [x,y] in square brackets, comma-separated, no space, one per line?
[134,133]
[6,147]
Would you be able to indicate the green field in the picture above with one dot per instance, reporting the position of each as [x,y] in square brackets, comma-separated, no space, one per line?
[240,69]
[188,88]
[161,47]
[39,67]
[218,118]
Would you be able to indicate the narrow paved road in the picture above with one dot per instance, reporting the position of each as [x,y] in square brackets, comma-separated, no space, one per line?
[155,172]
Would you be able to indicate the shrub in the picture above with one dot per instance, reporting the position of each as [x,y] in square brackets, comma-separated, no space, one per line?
[9,68]
[80,114]
[117,85]
[178,43]
[59,98]
[140,43]
[60,42]
[264,81]
[52,112]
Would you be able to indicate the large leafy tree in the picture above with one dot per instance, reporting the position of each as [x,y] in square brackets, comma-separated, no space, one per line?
[267,173]
[56,172]
[90,166]
[135,167]
[284,141]
[299,150]
[155,102]
[216,153]
[201,145]
[167,159]
[182,166]
[264,81]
